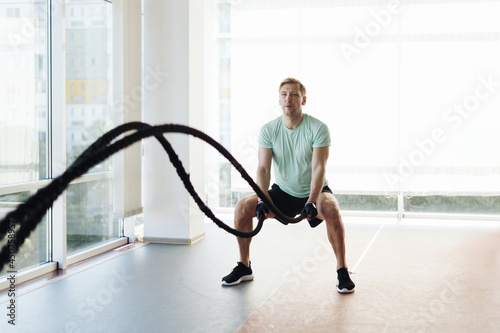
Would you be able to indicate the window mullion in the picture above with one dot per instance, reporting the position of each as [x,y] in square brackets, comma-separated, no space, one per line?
[58,124]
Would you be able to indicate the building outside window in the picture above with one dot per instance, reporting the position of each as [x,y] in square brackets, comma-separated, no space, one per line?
[90,219]
[23,115]
[26,120]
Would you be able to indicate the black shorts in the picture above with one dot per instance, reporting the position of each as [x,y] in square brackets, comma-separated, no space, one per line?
[290,205]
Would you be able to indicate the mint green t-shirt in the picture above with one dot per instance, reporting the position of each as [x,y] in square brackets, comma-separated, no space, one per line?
[293,151]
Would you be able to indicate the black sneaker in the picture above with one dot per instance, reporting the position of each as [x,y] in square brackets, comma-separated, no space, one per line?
[239,274]
[344,282]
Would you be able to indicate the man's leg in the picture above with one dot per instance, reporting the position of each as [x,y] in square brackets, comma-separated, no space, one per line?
[243,215]
[243,221]
[328,210]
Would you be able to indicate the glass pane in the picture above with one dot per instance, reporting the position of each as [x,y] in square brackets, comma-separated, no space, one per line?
[89,214]
[23,91]
[453,204]
[469,16]
[407,104]
[379,203]
[35,249]
[441,133]
[89,101]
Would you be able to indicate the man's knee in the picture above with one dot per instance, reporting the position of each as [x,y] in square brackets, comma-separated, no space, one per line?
[246,207]
[329,208]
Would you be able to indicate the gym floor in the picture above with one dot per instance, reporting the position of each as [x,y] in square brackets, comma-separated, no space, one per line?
[414,276]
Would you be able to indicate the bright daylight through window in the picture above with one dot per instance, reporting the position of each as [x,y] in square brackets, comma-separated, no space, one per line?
[28,118]
[23,114]
[89,110]
[410,91]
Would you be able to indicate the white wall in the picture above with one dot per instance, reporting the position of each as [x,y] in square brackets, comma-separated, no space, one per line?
[173,57]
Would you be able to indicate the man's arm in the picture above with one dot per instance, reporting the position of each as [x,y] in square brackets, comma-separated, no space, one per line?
[265,156]
[319,159]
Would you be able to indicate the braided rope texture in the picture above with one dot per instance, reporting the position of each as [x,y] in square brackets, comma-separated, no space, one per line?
[29,214]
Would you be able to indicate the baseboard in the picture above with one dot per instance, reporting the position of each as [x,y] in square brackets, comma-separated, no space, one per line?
[177,241]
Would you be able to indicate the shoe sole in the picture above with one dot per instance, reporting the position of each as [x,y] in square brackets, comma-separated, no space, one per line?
[241,279]
[344,290]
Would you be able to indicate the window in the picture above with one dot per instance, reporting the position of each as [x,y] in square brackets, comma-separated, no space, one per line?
[23,120]
[35,250]
[28,124]
[484,205]
[13,12]
[22,154]
[89,212]
[89,216]
[408,104]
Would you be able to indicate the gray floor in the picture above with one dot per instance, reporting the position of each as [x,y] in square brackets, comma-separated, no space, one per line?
[172,288]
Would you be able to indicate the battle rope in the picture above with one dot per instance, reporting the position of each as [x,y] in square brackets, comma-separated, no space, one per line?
[28,215]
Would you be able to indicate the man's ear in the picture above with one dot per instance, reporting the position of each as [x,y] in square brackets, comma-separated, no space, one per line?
[304,99]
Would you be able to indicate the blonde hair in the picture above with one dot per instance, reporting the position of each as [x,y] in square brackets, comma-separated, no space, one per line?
[291,80]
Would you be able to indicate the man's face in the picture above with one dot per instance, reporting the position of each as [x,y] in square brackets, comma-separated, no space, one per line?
[291,99]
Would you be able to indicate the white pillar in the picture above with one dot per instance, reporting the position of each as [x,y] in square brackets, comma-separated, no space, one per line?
[127,92]
[174,57]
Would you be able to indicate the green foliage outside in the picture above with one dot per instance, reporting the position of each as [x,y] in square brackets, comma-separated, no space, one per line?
[453,204]
[421,204]
[367,202]
[34,249]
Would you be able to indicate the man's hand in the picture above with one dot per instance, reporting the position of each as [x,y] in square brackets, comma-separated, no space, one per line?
[310,209]
[261,209]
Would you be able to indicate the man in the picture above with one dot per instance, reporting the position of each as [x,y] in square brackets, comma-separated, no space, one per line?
[298,146]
